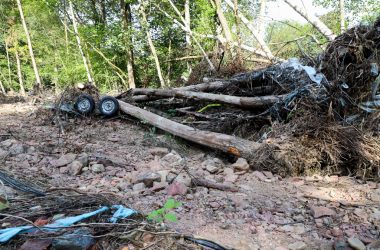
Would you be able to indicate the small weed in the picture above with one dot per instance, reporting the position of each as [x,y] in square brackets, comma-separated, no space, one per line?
[164,214]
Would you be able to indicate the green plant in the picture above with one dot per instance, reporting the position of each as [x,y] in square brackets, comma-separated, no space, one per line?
[164,214]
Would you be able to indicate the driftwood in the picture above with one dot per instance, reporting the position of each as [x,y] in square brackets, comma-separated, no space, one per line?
[244,102]
[226,143]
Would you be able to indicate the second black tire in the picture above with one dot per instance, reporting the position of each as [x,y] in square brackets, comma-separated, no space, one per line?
[108,106]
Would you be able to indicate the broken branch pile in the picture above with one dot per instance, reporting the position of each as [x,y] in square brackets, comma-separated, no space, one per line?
[290,118]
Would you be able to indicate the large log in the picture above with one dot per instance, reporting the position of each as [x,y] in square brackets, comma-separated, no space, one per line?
[200,88]
[226,143]
[244,102]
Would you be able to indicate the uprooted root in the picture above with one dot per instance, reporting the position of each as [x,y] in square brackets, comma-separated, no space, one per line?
[329,149]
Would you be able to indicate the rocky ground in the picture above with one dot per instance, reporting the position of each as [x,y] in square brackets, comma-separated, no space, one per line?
[147,167]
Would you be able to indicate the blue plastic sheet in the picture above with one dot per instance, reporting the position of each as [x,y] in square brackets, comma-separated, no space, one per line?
[121,213]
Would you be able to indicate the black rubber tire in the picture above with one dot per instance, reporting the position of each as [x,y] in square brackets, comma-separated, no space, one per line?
[85,104]
[108,106]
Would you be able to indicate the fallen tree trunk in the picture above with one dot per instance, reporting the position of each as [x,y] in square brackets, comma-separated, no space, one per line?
[226,143]
[256,91]
[244,102]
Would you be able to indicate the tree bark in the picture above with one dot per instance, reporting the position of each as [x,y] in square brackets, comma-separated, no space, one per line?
[126,14]
[19,73]
[244,102]
[226,143]
[38,84]
[255,34]
[313,20]
[89,77]
[151,45]
[342,16]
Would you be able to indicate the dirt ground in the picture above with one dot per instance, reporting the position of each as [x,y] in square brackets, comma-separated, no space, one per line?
[268,212]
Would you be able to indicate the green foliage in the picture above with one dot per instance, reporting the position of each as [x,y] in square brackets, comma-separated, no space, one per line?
[165,213]
[4,204]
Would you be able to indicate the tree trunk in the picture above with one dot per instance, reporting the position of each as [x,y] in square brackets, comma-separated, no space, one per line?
[95,15]
[151,45]
[224,24]
[104,11]
[19,73]
[313,20]
[38,84]
[126,14]
[244,102]
[255,34]
[90,80]
[9,64]
[226,143]
[188,36]
[169,61]
[2,89]
[187,22]
[238,32]
[342,16]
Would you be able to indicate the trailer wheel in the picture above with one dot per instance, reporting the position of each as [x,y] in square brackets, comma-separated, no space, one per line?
[84,104]
[108,106]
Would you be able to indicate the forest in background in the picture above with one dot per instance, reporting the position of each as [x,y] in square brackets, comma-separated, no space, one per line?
[120,44]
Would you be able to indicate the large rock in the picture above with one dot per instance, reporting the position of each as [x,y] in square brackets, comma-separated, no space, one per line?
[356,244]
[7,143]
[177,188]
[158,151]
[260,176]
[229,175]
[241,165]
[149,178]
[318,212]
[3,153]
[17,149]
[139,187]
[80,239]
[98,168]
[173,159]
[184,179]
[76,167]
[64,160]
[164,174]
[299,245]
[83,158]
[213,165]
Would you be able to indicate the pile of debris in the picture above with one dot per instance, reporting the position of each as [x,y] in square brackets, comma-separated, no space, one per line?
[321,116]
[296,117]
